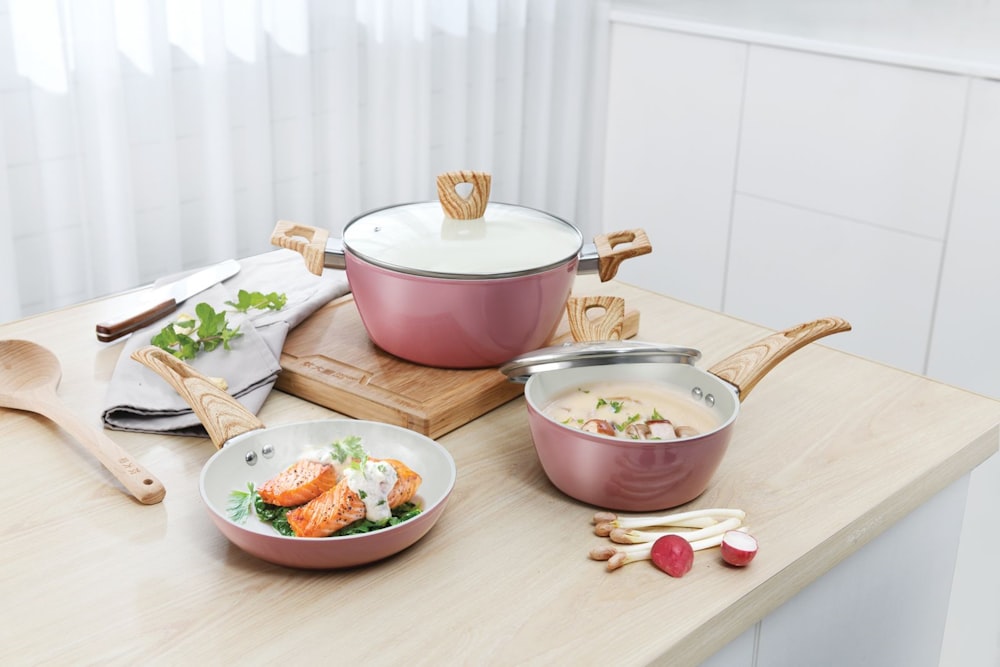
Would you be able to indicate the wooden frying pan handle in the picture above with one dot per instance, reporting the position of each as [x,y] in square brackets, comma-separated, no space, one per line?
[606,326]
[745,368]
[310,242]
[223,416]
[614,248]
[455,205]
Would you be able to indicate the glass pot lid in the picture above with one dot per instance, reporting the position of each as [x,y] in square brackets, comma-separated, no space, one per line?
[460,236]
[595,353]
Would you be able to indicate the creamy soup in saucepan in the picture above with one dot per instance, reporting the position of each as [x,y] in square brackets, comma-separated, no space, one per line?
[632,410]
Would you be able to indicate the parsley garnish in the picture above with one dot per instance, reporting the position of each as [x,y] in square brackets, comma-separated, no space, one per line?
[188,336]
[616,406]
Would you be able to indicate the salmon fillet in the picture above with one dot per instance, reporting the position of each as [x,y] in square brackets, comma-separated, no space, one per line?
[340,506]
[299,483]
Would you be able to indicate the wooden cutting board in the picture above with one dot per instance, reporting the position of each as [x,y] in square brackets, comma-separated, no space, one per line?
[328,359]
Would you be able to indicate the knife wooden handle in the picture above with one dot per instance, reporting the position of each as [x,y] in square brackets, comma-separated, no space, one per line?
[109,331]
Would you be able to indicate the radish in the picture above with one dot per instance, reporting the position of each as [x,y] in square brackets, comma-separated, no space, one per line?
[738,548]
[673,554]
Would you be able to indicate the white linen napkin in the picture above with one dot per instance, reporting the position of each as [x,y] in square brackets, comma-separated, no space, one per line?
[140,400]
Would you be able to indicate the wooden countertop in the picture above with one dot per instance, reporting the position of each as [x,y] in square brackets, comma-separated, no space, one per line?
[829,451]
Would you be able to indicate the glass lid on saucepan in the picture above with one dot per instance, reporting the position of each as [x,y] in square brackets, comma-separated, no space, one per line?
[595,353]
[460,236]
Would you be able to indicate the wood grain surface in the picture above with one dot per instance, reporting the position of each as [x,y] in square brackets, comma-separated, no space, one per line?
[830,451]
[330,360]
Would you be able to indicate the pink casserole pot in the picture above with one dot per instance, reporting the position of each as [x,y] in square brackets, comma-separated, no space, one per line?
[645,475]
[451,284]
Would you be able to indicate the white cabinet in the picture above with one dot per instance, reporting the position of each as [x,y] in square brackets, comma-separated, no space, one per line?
[842,194]
[673,121]
[779,185]
[965,350]
[966,344]
[788,264]
[871,143]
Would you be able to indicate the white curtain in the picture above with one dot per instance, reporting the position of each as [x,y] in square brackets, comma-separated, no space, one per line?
[139,138]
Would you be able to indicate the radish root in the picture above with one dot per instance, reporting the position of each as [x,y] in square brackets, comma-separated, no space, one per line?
[703,529]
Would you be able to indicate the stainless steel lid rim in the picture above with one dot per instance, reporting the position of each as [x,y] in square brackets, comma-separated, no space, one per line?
[418,239]
[442,275]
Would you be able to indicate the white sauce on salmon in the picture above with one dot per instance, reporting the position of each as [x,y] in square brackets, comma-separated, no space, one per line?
[323,456]
[373,482]
[624,403]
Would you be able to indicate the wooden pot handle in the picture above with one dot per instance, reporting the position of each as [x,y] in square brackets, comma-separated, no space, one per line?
[222,415]
[455,205]
[310,242]
[614,248]
[745,368]
[607,326]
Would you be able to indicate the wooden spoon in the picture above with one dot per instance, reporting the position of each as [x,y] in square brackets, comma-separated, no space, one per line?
[29,376]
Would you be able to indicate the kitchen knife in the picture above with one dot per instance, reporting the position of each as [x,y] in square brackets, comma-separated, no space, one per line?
[167,297]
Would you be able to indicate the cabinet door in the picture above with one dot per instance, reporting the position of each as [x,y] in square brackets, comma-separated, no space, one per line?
[966,344]
[673,118]
[869,142]
[790,265]
[965,350]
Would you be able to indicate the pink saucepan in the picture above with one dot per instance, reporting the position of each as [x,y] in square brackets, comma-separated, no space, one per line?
[455,283]
[646,474]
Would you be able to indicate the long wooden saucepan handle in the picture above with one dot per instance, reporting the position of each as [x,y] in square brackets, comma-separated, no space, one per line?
[222,415]
[745,368]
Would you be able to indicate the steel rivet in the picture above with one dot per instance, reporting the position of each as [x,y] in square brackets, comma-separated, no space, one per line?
[709,399]
[250,458]
[696,393]
[267,451]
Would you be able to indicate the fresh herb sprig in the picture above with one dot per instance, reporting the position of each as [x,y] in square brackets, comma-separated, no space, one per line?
[247,300]
[241,503]
[188,336]
[350,452]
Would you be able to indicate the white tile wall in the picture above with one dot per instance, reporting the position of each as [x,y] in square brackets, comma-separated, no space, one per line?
[789,265]
[870,142]
[670,165]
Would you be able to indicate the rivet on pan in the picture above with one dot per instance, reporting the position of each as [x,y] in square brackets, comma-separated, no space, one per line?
[250,458]
[696,393]
[267,451]
[709,400]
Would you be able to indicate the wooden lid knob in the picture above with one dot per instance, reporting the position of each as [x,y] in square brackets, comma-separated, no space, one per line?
[457,207]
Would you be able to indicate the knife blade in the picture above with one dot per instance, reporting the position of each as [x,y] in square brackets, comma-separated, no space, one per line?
[166,298]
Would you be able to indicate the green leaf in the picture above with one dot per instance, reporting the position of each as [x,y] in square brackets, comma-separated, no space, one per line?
[240,502]
[402,513]
[616,406]
[247,300]
[186,337]
[349,449]
[275,515]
